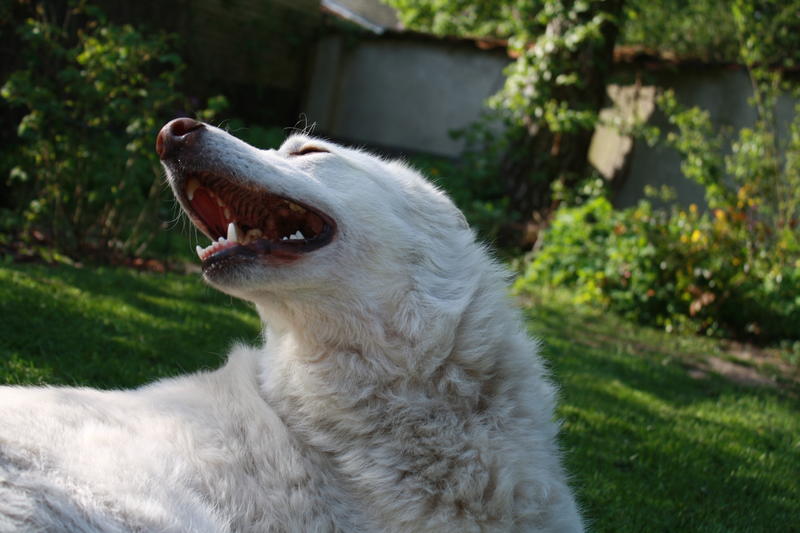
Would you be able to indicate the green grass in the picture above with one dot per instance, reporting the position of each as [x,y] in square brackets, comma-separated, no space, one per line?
[649,447]
[112,327]
[653,449]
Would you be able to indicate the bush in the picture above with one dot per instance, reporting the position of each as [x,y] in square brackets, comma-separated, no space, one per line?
[85,177]
[733,269]
[677,268]
[702,29]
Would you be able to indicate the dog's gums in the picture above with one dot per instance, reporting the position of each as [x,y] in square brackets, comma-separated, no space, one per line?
[251,221]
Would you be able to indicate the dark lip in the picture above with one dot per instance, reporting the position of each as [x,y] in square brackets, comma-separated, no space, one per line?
[253,252]
[245,253]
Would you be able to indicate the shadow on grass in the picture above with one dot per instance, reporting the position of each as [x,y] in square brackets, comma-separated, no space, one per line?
[112,328]
[652,449]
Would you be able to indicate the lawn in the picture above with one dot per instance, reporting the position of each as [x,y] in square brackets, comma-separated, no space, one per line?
[655,440]
[112,328]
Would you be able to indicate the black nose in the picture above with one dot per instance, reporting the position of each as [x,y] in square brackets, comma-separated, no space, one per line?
[175,134]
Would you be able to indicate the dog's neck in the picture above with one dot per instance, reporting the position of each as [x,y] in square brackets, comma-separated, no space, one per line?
[338,351]
[382,340]
[386,401]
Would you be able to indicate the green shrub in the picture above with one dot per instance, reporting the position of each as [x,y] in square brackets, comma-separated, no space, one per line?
[688,28]
[678,268]
[733,269]
[85,177]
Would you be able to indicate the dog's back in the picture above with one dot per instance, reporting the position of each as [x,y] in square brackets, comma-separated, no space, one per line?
[200,453]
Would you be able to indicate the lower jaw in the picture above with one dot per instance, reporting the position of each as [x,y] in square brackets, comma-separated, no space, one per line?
[261,251]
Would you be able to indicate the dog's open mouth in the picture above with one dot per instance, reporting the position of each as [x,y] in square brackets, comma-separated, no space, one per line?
[249,222]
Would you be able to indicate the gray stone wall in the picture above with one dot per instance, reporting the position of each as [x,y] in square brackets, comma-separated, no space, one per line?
[410,92]
[401,93]
[722,91]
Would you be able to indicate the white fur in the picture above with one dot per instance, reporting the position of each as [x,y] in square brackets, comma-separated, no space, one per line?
[396,389]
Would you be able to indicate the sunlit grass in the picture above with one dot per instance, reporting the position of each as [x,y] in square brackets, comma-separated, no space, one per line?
[112,327]
[650,448]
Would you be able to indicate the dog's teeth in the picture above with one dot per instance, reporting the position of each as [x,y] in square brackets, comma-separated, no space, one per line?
[233,235]
[191,186]
[227,214]
[284,238]
[297,235]
[221,240]
[199,250]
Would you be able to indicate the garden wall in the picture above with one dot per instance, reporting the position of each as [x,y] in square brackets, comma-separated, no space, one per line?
[408,92]
[721,90]
[400,92]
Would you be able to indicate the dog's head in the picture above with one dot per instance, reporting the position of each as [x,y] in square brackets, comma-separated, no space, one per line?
[309,218]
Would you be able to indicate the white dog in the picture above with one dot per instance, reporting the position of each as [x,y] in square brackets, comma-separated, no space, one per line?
[396,389]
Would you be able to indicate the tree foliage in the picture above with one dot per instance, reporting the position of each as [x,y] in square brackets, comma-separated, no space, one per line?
[92,96]
[701,29]
[469,18]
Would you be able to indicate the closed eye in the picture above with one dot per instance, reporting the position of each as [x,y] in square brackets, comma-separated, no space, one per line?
[310,149]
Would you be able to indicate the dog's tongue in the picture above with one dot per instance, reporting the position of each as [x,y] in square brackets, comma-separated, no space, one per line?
[212,214]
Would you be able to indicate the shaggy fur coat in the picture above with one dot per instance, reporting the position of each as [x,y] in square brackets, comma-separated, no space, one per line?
[396,389]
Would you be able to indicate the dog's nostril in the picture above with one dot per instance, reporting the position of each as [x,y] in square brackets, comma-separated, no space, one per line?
[182,126]
[174,135]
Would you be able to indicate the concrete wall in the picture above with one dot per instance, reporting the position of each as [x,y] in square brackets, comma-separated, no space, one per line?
[408,93]
[401,93]
[722,91]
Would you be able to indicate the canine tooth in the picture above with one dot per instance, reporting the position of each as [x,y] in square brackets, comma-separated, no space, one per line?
[191,186]
[298,235]
[199,251]
[233,235]
[221,240]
